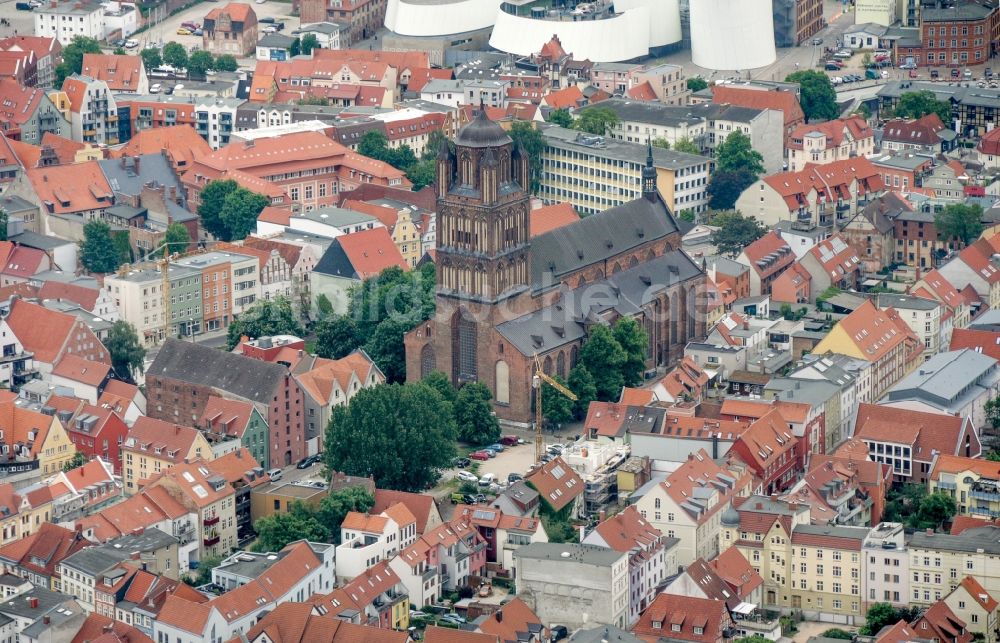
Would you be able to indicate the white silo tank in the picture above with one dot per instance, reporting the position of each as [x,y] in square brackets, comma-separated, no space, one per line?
[732,34]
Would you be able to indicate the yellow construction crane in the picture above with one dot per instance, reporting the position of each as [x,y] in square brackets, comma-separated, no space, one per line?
[536,383]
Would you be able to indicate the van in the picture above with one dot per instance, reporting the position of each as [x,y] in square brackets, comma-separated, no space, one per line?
[487,480]
[274,474]
[871,74]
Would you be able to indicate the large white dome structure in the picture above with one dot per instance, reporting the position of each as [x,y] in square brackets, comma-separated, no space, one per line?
[439,17]
[732,34]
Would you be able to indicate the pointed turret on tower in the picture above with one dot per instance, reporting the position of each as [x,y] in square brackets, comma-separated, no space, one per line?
[649,173]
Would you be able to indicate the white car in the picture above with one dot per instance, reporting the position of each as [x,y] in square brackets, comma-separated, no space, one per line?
[155,88]
[465,476]
[131,43]
[270,29]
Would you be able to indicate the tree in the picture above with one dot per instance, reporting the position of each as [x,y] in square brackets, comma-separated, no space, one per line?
[336,336]
[442,384]
[661,142]
[686,145]
[556,407]
[314,100]
[422,173]
[736,153]
[385,346]
[687,214]
[933,511]
[295,48]
[921,103]
[175,55]
[992,410]
[4,221]
[474,416]
[837,633]
[879,615]
[335,507]
[596,120]
[125,350]
[959,221]
[200,62]
[176,239]
[120,51]
[697,84]
[866,60]
[97,251]
[817,96]
[632,338]
[276,531]
[226,62]
[123,247]
[559,530]
[993,456]
[309,42]
[399,434]
[72,57]
[560,117]
[374,144]
[604,357]
[735,232]
[239,213]
[531,141]
[151,58]
[725,187]
[213,198]
[264,318]
[756,638]
[78,460]
[581,382]
[434,141]
[205,567]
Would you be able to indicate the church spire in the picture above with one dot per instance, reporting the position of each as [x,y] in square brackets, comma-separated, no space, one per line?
[649,173]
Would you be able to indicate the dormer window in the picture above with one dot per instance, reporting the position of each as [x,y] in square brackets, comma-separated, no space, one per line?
[657,625]
[676,627]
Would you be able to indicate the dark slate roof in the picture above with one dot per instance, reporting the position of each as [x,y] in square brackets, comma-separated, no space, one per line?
[597,237]
[126,180]
[604,634]
[276,41]
[251,379]
[625,292]
[20,605]
[482,132]
[96,560]
[39,241]
[335,263]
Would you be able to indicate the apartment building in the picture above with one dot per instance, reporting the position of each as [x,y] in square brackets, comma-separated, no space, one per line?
[939,562]
[934,285]
[367,539]
[230,29]
[594,173]
[93,111]
[364,17]
[971,603]
[230,284]
[974,483]
[886,567]
[152,446]
[974,267]
[213,119]
[767,257]
[138,294]
[824,143]
[924,316]
[67,20]
[29,113]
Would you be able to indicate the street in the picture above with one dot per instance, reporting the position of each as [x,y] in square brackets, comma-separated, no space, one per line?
[166,30]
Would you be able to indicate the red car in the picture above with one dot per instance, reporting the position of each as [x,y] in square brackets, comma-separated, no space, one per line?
[509,441]
[479,455]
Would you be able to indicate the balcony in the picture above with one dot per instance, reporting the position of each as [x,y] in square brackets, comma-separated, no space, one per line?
[983,494]
[947,485]
[429,574]
[211,539]
[984,511]
[211,520]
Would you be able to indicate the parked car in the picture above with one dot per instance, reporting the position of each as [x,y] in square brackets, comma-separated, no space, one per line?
[955,73]
[461,463]
[496,447]
[267,20]
[967,74]
[24,6]
[478,499]
[453,618]
[559,632]
[913,73]
[490,452]
[457,498]
[418,614]
[309,460]
[509,440]
[514,477]
[479,455]
[155,88]
[988,73]
[817,41]
[908,65]
[197,32]
[183,31]
[270,29]
[120,42]
[871,74]
[935,74]
[470,498]
[274,474]
[131,43]
[190,25]
[466,476]
[487,479]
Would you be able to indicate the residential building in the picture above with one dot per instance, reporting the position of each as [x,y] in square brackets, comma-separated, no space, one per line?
[45,53]
[230,285]
[561,589]
[939,622]
[879,337]
[769,450]
[29,114]
[349,260]
[973,605]
[503,532]
[297,623]
[239,419]
[558,486]
[377,598]
[681,178]
[887,565]
[831,263]
[685,618]
[153,446]
[36,558]
[688,502]
[422,506]
[368,539]
[925,317]
[947,182]
[95,431]
[870,231]
[974,267]
[903,172]
[909,441]
[926,134]
[332,383]
[212,118]
[972,482]
[960,36]
[818,195]
[767,258]
[230,29]
[122,73]
[138,294]
[184,376]
[939,562]
[955,382]
[65,21]
[824,143]
[93,112]
[364,17]
[84,490]
[651,557]
[781,99]
[936,286]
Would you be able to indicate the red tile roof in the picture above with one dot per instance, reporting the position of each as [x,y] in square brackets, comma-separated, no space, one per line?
[420,505]
[943,624]
[948,463]
[511,622]
[982,341]
[181,143]
[173,440]
[122,73]
[836,180]
[940,289]
[702,472]
[765,442]
[85,297]
[42,331]
[783,101]
[837,258]
[550,217]
[628,530]
[978,256]
[667,610]
[978,593]
[420,77]
[924,432]
[371,251]
[237,12]
[643,91]
[296,623]
[82,370]
[922,131]
[875,333]
[556,483]
[901,632]
[834,131]
[769,255]
[101,629]
[733,567]
[18,102]
[42,551]
[568,98]
[67,189]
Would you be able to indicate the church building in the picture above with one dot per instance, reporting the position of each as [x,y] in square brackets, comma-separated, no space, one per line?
[504,297]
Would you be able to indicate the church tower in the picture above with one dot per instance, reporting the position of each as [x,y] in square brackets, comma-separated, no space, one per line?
[649,174]
[483,229]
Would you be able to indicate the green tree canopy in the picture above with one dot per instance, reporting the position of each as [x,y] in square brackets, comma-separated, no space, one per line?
[175,55]
[434,141]
[933,510]
[213,198]
[78,460]
[633,340]
[276,531]
[661,142]
[239,213]
[697,84]
[474,416]
[531,141]
[335,507]
[604,358]
[837,633]
[442,384]
[151,58]
[205,567]
[176,239]
[560,117]
[686,145]
[399,434]
[309,42]
[725,187]
[98,253]
[324,306]
[992,410]
[687,214]
[735,231]
[337,336]
[817,96]
[596,120]
[556,407]
[226,62]
[264,318]
[879,615]
[200,62]
[385,346]
[72,57]
[921,103]
[295,48]
[737,154]
[960,221]
[125,349]
[581,382]
[421,173]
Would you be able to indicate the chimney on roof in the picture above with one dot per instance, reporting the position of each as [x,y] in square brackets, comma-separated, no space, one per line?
[930,532]
[46,620]
[500,616]
[760,505]
[33,602]
[108,628]
[602,515]
[137,159]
